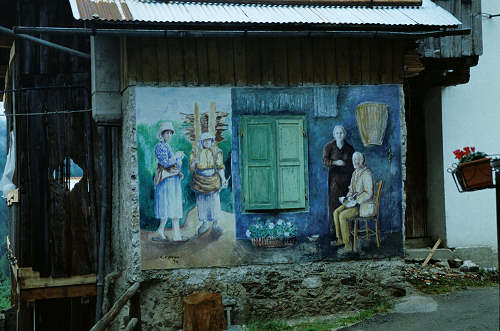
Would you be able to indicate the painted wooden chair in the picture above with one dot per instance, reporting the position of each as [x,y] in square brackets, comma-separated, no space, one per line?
[368,232]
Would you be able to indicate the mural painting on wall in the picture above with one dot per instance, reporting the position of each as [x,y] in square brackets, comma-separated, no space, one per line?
[235,176]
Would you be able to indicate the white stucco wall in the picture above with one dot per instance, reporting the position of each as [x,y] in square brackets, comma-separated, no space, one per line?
[471,117]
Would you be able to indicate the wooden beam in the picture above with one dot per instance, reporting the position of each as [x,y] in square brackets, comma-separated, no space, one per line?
[29,279]
[436,245]
[6,42]
[103,323]
[59,292]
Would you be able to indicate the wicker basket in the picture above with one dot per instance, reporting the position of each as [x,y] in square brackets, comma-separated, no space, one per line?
[273,242]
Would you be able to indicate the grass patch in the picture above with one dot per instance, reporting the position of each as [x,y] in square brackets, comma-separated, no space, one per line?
[321,325]
[439,283]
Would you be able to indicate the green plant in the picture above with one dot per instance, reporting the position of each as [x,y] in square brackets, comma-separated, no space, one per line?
[279,229]
[4,292]
[467,154]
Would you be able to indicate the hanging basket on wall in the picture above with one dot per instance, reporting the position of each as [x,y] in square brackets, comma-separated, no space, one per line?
[473,175]
[372,122]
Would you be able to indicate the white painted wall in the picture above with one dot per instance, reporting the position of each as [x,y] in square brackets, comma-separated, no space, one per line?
[471,117]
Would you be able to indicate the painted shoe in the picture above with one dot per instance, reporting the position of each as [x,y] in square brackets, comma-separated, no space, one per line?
[216,228]
[204,227]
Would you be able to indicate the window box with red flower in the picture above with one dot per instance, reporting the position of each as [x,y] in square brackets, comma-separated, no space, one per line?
[473,170]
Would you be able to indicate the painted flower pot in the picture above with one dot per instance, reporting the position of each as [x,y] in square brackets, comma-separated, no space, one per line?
[273,242]
[474,175]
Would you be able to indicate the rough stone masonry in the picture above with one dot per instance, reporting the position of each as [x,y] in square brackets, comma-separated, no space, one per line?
[272,292]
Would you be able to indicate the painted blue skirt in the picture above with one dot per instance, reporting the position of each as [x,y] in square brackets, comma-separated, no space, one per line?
[168,198]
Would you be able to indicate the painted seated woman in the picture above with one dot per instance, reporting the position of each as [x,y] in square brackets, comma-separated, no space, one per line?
[359,201]
[168,191]
[207,166]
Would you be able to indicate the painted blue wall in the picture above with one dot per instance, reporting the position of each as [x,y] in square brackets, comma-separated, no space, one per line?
[311,102]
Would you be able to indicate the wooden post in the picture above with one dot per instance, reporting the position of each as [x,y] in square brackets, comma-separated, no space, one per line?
[197,126]
[212,119]
[204,312]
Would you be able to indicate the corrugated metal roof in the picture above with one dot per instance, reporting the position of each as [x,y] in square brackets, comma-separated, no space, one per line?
[429,14]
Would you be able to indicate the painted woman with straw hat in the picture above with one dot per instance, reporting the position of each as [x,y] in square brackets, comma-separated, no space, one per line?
[168,191]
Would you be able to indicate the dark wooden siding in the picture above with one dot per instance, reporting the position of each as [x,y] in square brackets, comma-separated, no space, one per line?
[469,13]
[53,229]
[262,61]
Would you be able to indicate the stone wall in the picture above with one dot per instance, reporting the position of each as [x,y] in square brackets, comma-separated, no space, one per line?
[271,291]
[125,231]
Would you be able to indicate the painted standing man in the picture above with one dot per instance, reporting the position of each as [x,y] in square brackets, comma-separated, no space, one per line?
[168,191]
[358,201]
[207,166]
[337,156]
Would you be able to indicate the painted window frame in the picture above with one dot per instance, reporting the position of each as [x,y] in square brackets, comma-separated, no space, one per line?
[277,204]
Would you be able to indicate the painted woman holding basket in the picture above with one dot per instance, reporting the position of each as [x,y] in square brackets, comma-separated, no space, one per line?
[168,191]
[207,165]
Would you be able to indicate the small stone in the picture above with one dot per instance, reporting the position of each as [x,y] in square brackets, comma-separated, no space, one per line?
[364,292]
[469,266]
[312,282]
[443,264]
[398,289]
[455,263]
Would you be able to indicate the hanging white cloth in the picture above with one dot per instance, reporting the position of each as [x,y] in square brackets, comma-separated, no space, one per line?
[6,185]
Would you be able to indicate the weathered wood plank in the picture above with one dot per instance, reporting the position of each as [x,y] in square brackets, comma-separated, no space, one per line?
[466,19]
[375,61]
[398,51]
[280,62]
[29,279]
[343,63]
[176,61]
[355,61]
[330,62]
[149,60]
[253,61]
[456,41]
[213,62]
[59,292]
[307,61]
[386,74]
[163,61]
[477,28]
[266,60]
[318,55]
[226,60]
[365,61]
[240,71]
[190,61]
[294,61]
[202,56]
[446,42]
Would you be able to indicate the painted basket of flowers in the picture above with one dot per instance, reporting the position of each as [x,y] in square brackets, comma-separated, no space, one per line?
[272,234]
[473,171]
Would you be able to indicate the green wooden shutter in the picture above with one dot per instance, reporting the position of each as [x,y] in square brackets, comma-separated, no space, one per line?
[291,163]
[258,159]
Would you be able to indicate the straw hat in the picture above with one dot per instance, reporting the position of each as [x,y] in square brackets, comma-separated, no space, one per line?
[164,127]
